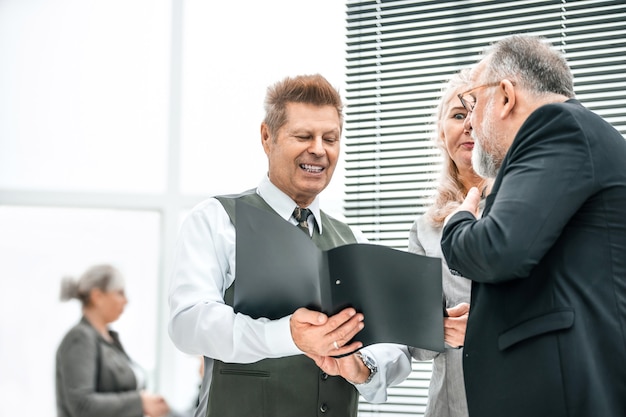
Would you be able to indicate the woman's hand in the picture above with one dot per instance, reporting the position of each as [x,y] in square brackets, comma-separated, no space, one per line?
[455,324]
[154,405]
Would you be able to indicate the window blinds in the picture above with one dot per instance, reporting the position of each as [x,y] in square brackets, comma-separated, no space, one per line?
[399,53]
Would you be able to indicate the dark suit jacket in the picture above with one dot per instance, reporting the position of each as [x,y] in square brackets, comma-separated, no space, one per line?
[546,334]
[94,377]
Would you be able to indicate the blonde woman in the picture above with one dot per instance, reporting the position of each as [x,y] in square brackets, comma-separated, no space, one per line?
[392,363]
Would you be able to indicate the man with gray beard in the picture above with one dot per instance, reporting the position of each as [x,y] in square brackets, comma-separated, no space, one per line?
[485,164]
[546,334]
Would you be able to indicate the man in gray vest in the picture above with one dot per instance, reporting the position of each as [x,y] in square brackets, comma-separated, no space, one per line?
[261,367]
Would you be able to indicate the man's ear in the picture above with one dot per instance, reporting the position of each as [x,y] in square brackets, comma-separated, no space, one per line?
[265,137]
[507,89]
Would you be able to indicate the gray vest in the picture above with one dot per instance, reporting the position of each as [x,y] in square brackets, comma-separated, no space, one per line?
[292,386]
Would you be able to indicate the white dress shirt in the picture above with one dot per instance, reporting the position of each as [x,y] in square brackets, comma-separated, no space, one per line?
[204,267]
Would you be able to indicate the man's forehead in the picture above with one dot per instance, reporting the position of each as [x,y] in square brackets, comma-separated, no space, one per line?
[301,115]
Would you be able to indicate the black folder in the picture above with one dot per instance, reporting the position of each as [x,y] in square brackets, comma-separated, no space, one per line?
[280,269]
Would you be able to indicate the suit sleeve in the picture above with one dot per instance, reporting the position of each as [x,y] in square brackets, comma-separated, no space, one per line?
[545,178]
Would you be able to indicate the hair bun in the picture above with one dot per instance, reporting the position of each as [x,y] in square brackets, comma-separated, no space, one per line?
[69,288]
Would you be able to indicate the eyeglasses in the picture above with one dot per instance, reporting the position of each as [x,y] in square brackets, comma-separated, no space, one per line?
[467,98]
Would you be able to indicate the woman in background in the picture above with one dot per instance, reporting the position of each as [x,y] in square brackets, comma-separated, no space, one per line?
[94,375]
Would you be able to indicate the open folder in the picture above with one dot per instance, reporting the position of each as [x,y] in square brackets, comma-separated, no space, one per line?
[280,269]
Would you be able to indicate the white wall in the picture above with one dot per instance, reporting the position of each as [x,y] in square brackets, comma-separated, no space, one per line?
[98,99]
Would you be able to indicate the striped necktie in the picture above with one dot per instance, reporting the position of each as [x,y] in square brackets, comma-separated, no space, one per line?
[301,215]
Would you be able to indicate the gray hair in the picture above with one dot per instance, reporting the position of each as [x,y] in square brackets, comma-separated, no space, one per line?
[104,277]
[532,63]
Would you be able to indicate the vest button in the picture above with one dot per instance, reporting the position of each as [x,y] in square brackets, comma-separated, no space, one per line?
[323,408]
[324,376]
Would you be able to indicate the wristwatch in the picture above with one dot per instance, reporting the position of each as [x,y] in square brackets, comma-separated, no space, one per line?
[370,364]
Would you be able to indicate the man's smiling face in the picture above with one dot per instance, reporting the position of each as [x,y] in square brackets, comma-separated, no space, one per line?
[304,154]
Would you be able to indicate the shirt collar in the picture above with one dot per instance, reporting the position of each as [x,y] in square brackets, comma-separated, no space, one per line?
[283,204]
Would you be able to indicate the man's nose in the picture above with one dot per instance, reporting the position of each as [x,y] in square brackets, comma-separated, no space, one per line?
[467,124]
[316,146]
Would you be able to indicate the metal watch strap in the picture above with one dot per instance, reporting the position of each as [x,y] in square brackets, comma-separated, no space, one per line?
[369,363]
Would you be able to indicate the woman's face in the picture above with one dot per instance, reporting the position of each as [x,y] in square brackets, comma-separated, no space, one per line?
[111,304]
[455,139]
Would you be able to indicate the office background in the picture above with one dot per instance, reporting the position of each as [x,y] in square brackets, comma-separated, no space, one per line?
[118,116]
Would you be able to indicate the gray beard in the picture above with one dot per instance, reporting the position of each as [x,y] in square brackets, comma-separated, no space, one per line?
[483,163]
[486,164]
